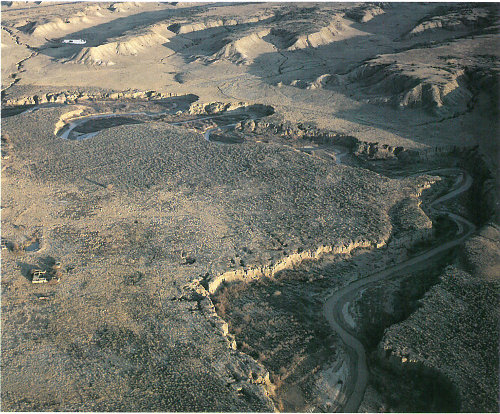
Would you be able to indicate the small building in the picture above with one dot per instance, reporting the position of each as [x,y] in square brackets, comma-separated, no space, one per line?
[75,41]
[39,276]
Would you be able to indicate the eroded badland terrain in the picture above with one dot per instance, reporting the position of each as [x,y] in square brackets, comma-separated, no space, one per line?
[249,207]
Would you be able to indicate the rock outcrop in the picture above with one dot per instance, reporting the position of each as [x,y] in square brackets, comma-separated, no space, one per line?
[454,18]
[77,96]
[365,13]
[246,372]
[384,80]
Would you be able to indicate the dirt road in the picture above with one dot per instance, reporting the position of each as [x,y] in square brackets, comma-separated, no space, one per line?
[333,306]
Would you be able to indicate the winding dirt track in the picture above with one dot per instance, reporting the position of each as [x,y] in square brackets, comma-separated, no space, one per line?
[332,308]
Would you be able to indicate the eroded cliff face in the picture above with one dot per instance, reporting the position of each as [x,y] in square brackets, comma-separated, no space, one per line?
[259,369]
[249,275]
[295,130]
[298,344]
[72,96]
[365,150]
[248,376]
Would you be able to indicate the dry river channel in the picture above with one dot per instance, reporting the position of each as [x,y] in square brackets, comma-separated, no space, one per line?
[70,130]
[332,308]
[334,304]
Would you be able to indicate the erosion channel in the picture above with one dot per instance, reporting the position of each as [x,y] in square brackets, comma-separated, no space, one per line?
[275,320]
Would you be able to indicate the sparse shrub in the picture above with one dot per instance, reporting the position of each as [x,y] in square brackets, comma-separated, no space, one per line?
[133,279]
[221,309]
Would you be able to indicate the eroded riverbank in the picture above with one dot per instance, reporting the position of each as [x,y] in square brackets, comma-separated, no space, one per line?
[297,383]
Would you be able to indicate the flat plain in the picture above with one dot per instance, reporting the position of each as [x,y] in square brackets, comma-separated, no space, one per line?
[249,207]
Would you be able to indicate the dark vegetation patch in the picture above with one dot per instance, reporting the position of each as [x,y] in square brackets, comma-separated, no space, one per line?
[384,304]
[7,112]
[226,138]
[95,125]
[416,389]
[133,279]
[455,332]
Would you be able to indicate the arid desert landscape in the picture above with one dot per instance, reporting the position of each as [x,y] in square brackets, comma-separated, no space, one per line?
[250,207]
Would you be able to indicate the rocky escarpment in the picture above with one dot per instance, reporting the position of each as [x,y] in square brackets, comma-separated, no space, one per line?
[183,27]
[248,376]
[363,149]
[295,131]
[210,108]
[365,13]
[336,30]
[387,81]
[376,151]
[76,96]
[454,18]
[410,224]
[249,275]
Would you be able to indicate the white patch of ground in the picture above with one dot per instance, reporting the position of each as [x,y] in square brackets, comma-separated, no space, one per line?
[330,385]
[347,316]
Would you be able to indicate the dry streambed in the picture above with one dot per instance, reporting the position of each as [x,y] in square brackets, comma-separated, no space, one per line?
[278,321]
[291,323]
[88,126]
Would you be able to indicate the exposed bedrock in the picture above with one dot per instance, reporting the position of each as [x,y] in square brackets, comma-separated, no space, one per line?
[210,108]
[440,90]
[246,371]
[452,17]
[76,96]
[365,13]
[296,131]
[248,275]
[184,27]
[368,150]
